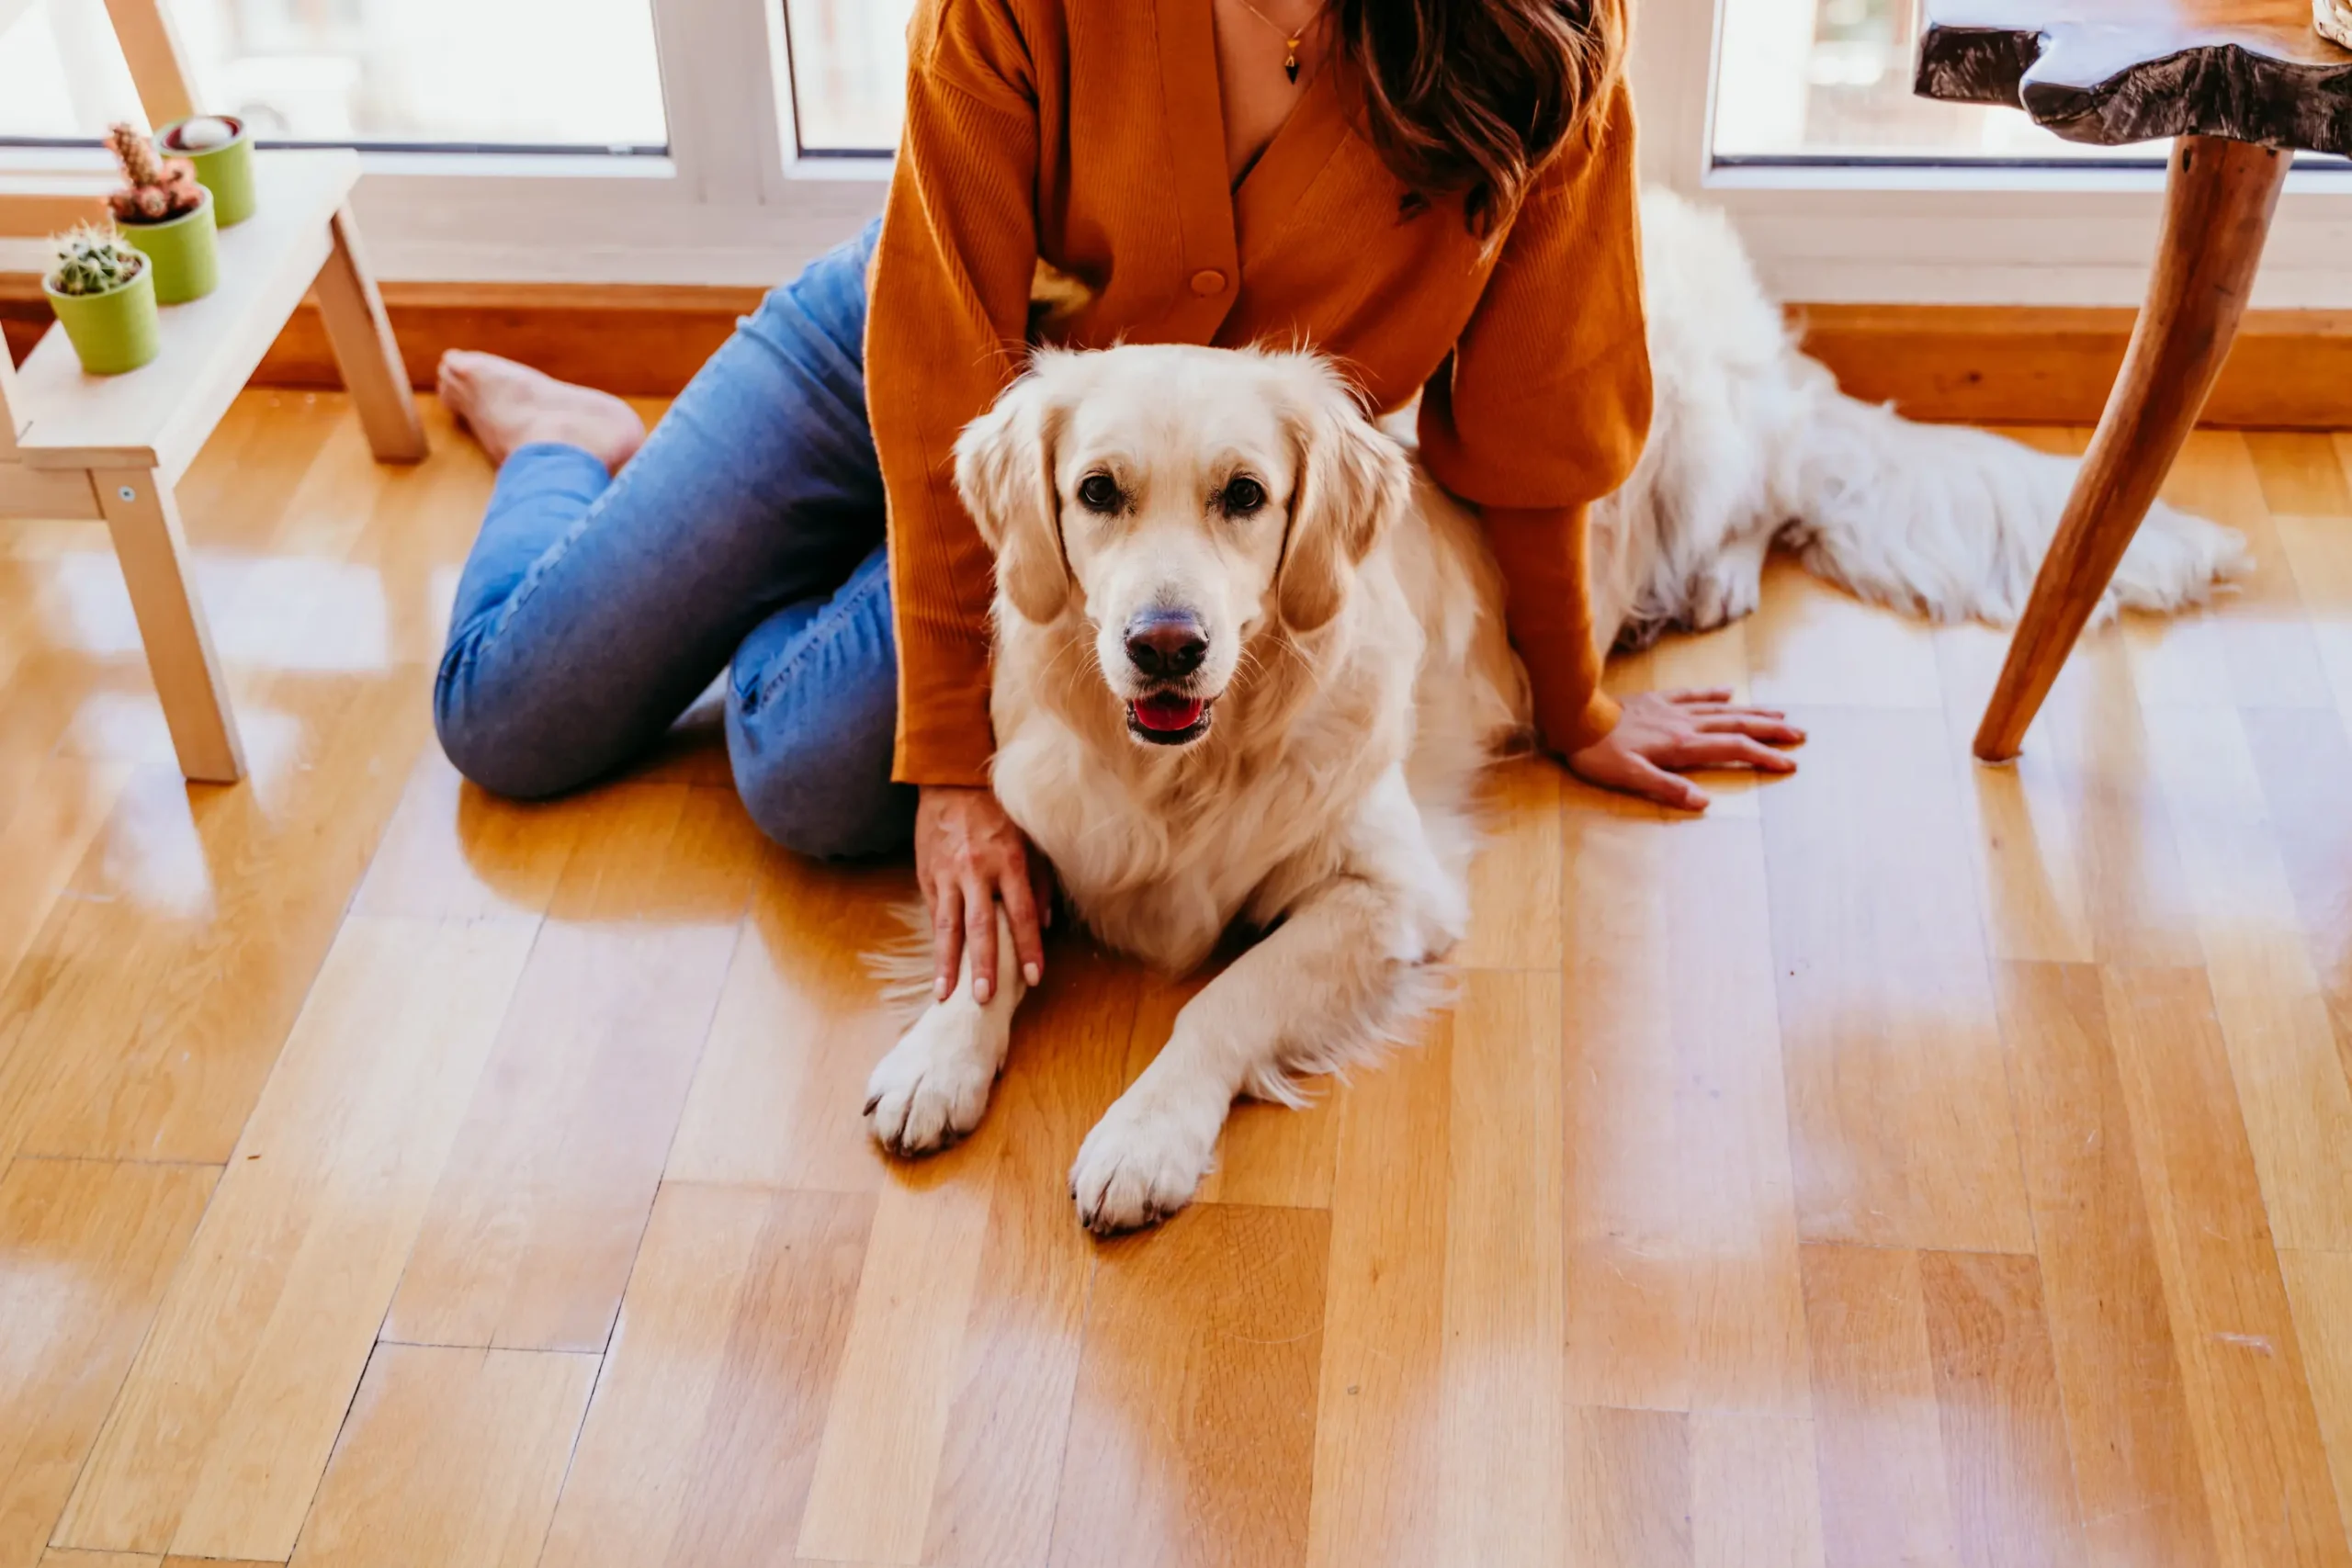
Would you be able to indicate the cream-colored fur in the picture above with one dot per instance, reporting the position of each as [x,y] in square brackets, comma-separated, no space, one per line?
[1326,800]
[1355,653]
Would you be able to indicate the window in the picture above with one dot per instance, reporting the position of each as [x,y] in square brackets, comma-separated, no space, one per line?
[515,75]
[848,70]
[1830,81]
[727,142]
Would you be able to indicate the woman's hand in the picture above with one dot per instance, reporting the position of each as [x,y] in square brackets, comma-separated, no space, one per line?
[969,857]
[1659,730]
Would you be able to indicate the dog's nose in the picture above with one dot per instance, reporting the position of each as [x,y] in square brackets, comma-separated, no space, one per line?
[1166,644]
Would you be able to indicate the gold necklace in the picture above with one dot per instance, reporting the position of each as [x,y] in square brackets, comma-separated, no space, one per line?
[1291,40]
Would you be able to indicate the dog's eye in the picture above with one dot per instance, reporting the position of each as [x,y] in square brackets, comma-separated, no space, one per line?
[1241,496]
[1099,492]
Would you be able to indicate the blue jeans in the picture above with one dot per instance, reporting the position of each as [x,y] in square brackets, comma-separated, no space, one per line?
[745,536]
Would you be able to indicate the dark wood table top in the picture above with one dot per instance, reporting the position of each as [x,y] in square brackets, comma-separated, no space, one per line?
[2116,70]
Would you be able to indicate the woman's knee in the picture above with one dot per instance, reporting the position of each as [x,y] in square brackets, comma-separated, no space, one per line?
[812,713]
[494,735]
[811,748]
[827,799]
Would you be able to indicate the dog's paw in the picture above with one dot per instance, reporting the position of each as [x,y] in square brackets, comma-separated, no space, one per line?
[933,1086]
[1142,1162]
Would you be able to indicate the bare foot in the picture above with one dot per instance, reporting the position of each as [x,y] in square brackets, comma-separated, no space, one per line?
[508,405]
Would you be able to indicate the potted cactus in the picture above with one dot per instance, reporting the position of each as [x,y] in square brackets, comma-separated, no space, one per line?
[166,216]
[103,294]
[221,149]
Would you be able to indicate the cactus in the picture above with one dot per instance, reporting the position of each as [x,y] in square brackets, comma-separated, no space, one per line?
[91,260]
[158,190]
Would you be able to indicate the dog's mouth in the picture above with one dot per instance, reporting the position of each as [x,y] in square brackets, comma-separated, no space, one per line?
[1168,718]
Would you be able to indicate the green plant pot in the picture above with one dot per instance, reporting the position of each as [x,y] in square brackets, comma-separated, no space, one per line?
[114,332]
[227,171]
[185,254]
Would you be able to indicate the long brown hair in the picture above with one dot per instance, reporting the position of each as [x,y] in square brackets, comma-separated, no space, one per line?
[1469,97]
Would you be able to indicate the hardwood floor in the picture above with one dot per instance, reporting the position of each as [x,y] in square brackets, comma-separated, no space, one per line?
[1909,1163]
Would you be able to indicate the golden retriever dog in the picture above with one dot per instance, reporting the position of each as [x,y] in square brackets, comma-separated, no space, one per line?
[1251,661]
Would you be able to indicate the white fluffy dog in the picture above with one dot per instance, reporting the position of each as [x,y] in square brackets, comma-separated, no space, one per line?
[1250,661]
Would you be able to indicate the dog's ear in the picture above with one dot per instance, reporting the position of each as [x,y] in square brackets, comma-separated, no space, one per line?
[1351,480]
[1004,472]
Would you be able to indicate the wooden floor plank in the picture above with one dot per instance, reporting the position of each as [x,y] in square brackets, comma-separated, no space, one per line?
[1885,1498]
[2292,1084]
[1812,645]
[1628,1489]
[144,1022]
[1191,1431]
[2257,1434]
[702,1436]
[1682,1286]
[2295,756]
[1515,889]
[529,1240]
[43,839]
[2137,1475]
[2005,1462]
[798,1028]
[1899,1109]
[2298,472]
[2073,840]
[1755,1492]
[1379,1436]
[231,1410]
[1005,1440]
[86,1247]
[2318,550]
[451,1457]
[1503,1377]
[878,1465]
[455,851]
[2255,646]
[2319,1284]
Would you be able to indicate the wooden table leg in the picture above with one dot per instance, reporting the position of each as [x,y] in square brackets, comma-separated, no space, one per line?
[2218,203]
[365,350]
[145,523]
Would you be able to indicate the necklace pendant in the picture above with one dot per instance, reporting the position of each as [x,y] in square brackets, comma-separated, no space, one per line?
[1290,68]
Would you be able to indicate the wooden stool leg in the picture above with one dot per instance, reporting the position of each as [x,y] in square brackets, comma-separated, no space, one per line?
[145,522]
[364,351]
[2218,203]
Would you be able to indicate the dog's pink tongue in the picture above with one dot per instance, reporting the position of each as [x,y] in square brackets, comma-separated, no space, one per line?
[1166,712]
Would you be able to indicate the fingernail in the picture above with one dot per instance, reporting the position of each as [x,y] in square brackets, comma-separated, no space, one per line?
[939,989]
[1030,972]
[981,990]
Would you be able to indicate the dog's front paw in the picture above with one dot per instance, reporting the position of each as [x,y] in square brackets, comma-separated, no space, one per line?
[1142,1162]
[932,1086]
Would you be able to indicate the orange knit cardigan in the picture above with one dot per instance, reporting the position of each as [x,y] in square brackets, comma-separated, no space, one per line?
[1088,134]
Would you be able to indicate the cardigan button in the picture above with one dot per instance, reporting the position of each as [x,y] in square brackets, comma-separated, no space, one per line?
[1207,281]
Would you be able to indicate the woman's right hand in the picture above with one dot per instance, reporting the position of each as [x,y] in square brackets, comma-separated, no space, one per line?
[970,857]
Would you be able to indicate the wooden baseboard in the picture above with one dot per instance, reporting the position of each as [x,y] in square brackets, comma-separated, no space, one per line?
[1984,365]
[2005,365]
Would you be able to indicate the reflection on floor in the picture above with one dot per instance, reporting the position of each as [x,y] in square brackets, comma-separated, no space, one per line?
[1909,1163]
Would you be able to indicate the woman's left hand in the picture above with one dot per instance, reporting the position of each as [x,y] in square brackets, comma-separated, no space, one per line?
[1663,730]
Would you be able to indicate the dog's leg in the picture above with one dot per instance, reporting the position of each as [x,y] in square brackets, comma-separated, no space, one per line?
[1318,987]
[932,1088]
